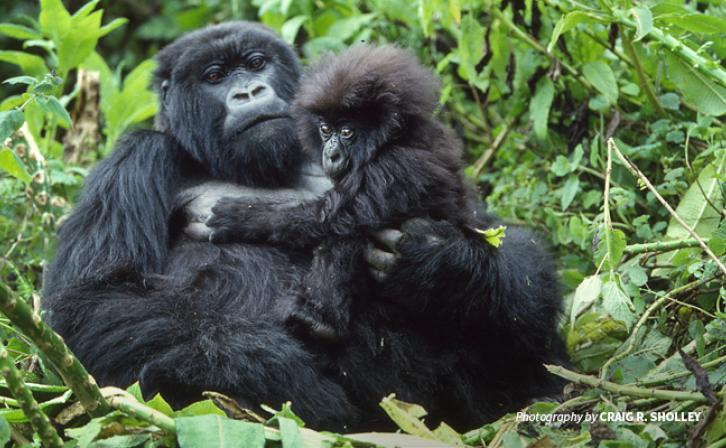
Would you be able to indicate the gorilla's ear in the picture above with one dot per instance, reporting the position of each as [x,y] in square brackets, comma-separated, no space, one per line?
[164,89]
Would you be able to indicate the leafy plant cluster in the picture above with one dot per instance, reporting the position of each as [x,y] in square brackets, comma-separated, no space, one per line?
[598,122]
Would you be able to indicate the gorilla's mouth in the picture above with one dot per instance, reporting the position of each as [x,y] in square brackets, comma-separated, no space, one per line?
[259,119]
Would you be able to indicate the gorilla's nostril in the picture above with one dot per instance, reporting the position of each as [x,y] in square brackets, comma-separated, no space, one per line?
[335,158]
[257,90]
[241,96]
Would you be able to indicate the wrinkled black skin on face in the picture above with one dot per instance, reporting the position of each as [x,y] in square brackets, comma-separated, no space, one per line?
[464,332]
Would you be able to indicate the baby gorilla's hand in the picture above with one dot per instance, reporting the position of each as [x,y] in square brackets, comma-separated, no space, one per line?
[237,220]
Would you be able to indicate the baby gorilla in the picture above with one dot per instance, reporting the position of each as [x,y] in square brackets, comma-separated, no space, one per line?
[368,113]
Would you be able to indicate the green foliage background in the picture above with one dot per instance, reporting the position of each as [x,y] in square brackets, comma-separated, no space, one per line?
[535,88]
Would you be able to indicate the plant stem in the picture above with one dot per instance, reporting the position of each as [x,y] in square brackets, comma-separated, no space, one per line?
[483,160]
[666,378]
[38,420]
[40,387]
[70,369]
[639,174]
[660,246]
[642,77]
[135,409]
[632,391]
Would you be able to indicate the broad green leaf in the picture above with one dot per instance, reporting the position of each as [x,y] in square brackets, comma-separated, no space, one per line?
[643,21]
[700,92]
[315,47]
[717,243]
[11,164]
[345,28]
[561,166]
[86,433]
[696,211]
[51,105]
[10,121]
[74,47]
[112,25]
[160,405]
[602,78]
[203,407]
[124,441]
[455,10]
[470,47]
[30,64]
[617,303]
[19,31]
[20,80]
[55,21]
[290,29]
[85,10]
[698,23]
[290,433]
[594,339]
[4,432]
[569,190]
[585,295]
[539,107]
[213,430]
[610,246]
[568,22]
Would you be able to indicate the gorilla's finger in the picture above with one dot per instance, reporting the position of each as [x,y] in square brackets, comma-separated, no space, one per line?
[379,276]
[198,231]
[379,259]
[388,238]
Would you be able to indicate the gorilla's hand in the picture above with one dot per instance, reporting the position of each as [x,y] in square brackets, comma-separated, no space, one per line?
[388,247]
[240,220]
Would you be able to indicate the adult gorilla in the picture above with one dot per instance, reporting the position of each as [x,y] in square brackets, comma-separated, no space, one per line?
[134,298]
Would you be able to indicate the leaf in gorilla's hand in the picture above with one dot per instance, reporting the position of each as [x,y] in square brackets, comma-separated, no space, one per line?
[493,236]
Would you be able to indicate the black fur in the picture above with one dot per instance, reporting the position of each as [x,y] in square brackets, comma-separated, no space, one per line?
[463,330]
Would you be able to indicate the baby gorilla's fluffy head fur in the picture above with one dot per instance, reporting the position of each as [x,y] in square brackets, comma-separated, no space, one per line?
[383,93]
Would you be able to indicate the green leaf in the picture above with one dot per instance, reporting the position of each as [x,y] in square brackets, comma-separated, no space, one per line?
[203,407]
[75,46]
[561,167]
[698,23]
[10,121]
[344,29]
[19,31]
[602,78]
[55,20]
[30,64]
[586,294]
[696,211]
[124,441]
[160,405]
[290,433]
[539,107]
[569,191]
[643,22]
[20,80]
[407,416]
[494,236]
[699,91]
[290,29]
[112,25]
[610,246]
[4,431]
[51,105]
[11,164]
[213,430]
[470,47]
[568,22]
[617,303]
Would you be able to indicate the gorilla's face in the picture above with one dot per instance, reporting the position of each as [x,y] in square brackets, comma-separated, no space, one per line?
[225,94]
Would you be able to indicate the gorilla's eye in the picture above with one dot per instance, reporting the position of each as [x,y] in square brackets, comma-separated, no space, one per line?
[347,132]
[325,129]
[256,62]
[213,74]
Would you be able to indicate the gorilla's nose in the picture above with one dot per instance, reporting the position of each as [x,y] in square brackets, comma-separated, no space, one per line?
[256,92]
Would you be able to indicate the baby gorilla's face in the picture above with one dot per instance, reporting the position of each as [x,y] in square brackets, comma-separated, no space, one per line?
[338,146]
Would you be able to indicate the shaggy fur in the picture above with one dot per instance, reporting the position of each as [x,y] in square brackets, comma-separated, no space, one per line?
[459,327]
[401,164]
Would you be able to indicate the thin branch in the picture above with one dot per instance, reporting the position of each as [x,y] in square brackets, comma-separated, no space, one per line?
[38,420]
[632,391]
[639,174]
[642,76]
[660,246]
[48,341]
[125,402]
[483,160]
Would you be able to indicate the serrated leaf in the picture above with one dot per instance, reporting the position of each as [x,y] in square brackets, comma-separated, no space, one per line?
[586,294]
[10,121]
[610,246]
[19,31]
[602,78]
[617,303]
[569,190]
[539,107]
[643,22]
[214,430]
[699,91]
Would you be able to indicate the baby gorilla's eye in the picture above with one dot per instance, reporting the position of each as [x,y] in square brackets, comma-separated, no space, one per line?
[256,62]
[325,129]
[346,132]
[213,74]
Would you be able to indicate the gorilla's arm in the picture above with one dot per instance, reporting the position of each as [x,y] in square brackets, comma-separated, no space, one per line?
[121,218]
[459,281]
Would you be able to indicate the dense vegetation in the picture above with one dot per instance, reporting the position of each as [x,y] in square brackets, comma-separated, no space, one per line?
[597,122]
